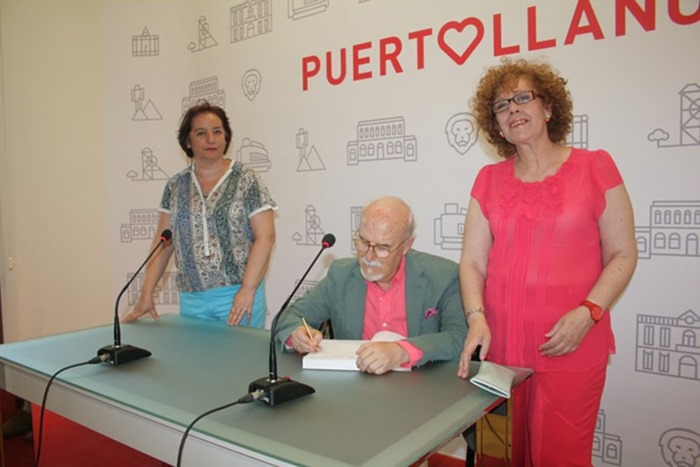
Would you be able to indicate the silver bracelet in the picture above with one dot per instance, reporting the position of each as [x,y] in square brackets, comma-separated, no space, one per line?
[472,311]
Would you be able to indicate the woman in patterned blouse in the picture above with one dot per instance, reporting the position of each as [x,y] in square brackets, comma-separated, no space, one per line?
[221,216]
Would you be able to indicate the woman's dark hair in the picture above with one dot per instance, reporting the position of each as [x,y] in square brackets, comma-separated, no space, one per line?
[202,107]
[505,76]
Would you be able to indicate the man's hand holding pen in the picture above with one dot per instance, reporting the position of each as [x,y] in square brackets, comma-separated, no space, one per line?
[306,339]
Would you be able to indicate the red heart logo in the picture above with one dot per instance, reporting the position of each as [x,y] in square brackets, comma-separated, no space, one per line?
[459,59]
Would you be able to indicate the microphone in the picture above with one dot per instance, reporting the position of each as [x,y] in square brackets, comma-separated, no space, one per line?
[117,354]
[273,390]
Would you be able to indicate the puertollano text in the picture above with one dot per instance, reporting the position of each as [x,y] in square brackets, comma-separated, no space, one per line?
[458,40]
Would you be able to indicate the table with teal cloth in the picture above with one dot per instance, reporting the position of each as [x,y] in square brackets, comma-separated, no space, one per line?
[352,418]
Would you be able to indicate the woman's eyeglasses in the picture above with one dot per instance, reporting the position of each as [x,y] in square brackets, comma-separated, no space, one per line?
[519,98]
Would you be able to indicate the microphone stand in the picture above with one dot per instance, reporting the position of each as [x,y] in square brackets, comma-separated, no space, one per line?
[274,390]
[117,353]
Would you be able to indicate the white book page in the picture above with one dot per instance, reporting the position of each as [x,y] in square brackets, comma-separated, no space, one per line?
[339,354]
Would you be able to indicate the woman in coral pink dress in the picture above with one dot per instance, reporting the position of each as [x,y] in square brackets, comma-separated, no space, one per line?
[549,246]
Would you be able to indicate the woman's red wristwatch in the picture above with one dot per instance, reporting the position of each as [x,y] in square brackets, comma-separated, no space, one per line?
[596,310]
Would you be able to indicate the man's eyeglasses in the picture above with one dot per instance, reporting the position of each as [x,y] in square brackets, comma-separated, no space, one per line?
[381,251]
[519,98]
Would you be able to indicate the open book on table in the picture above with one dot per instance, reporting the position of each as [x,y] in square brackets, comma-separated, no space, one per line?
[494,378]
[339,354]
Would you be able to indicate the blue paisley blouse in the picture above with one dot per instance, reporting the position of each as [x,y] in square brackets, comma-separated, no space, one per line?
[212,235]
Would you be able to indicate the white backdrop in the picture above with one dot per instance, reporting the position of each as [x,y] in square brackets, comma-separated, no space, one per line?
[338,102]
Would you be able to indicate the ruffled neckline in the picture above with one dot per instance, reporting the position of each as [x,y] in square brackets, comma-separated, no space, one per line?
[533,200]
[561,172]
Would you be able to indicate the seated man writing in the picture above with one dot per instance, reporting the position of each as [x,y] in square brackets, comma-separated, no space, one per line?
[388,287]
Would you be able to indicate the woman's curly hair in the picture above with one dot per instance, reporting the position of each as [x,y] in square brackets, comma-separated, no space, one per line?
[546,82]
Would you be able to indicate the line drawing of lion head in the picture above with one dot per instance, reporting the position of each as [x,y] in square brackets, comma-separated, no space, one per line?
[252,79]
[680,447]
[461,132]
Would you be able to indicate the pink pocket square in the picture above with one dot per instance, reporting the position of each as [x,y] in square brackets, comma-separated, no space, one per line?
[430,312]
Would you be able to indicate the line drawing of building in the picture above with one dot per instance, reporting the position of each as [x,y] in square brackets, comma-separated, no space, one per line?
[381,139]
[308,161]
[448,229]
[150,170]
[298,9]
[145,44]
[254,154]
[204,37]
[673,230]
[578,136]
[461,133]
[313,233]
[250,19]
[142,225]
[355,215]
[689,120]
[165,292]
[606,447]
[141,112]
[251,83]
[669,346]
[205,89]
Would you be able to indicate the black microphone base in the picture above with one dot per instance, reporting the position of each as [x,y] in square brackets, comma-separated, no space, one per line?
[118,354]
[281,390]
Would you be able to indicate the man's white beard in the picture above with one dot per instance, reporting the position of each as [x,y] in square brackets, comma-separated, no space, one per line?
[372,264]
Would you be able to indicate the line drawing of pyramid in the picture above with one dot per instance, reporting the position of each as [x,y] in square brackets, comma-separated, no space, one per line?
[311,162]
[147,113]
